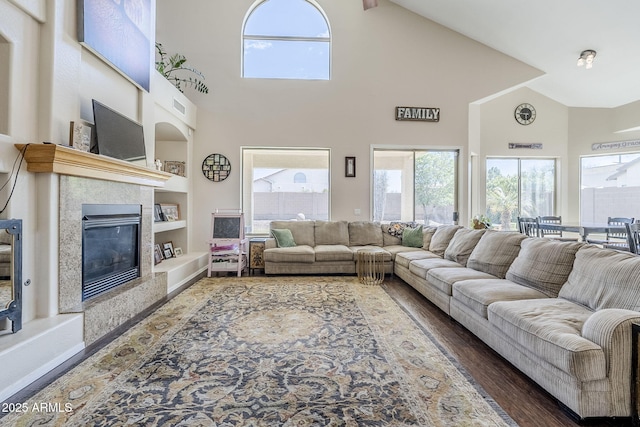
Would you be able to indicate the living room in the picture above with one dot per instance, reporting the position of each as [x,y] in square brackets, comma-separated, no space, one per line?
[381,58]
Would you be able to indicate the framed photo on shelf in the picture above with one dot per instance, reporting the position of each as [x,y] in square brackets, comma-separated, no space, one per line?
[167,250]
[157,254]
[178,252]
[175,167]
[170,211]
[157,213]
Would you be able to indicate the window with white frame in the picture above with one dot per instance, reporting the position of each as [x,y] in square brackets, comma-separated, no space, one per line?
[273,188]
[519,187]
[415,185]
[286,39]
[609,187]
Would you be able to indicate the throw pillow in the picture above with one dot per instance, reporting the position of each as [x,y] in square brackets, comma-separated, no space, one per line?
[412,237]
[283,236]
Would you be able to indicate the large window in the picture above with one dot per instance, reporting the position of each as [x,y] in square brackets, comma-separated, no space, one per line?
[415,185]
[282,184]
[519,187]
[609,187]
[288,39]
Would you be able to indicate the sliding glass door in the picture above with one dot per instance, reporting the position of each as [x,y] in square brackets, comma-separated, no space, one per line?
[415,185]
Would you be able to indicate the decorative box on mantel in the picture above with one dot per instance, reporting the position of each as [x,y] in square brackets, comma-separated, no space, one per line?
[52,158]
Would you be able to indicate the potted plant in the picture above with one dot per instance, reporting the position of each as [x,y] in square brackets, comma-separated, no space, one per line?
[480,222]
[169,65]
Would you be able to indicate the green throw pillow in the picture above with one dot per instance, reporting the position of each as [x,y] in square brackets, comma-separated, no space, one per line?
[283,236]
[412,237]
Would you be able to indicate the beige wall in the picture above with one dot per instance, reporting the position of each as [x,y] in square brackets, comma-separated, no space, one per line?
[382,58]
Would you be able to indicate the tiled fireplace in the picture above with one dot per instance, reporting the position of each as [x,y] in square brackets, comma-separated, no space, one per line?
[110,309]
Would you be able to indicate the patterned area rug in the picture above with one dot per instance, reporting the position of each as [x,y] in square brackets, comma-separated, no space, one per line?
[274,351]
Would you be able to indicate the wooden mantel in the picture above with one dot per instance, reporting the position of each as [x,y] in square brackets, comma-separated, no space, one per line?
[52,158]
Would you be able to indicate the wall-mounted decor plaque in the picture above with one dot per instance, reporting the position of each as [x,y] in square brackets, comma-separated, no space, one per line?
[418,114]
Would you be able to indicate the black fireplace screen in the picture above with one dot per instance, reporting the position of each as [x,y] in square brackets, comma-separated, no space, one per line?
[110,247]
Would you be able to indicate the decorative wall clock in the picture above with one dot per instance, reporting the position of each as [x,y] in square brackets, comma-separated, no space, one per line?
[525,114]
[216,167]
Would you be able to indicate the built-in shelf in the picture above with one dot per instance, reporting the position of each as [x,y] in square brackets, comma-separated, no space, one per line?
[159,227]
[182,269]
[53,158]
[176,184]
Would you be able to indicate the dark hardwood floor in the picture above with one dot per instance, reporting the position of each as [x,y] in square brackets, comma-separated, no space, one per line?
[525,402]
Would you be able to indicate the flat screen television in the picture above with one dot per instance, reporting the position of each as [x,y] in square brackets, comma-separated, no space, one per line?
[116,135]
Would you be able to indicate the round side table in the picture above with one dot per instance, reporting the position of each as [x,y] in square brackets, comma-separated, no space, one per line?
[370,266]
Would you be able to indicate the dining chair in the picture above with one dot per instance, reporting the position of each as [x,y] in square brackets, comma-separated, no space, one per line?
[615,239]
[528,226]
[555,234]
[633,237]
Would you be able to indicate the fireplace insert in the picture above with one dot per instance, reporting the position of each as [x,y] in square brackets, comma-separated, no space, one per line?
[110,247]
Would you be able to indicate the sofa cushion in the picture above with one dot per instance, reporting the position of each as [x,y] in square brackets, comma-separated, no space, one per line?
[405,258]
[462,244]
[441,238]
[427,235]
[332,233]
[333,253]
[550,328]
[386,255]
[604,278]
[495,252]
[543,264]
[444,278]
[412,237]
[303,231]
[422,266]
[283,236]
[364,233]
[478,294]
[300,253]
[396,249]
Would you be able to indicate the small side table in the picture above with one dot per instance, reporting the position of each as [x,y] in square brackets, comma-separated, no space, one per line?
[256,248]
[370,266]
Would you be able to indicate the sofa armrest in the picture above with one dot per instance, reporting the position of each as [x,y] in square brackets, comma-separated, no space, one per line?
[611,330]
[270,243]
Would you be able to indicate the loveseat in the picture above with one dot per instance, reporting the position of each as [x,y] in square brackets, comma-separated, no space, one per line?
[561,312]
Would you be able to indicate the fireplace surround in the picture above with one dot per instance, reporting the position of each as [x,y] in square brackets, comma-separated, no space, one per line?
[108,310]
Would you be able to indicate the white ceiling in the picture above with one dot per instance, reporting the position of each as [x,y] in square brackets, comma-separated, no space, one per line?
[549,35]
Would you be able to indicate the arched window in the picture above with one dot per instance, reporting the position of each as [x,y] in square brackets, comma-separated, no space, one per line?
[300,178]
[287,39]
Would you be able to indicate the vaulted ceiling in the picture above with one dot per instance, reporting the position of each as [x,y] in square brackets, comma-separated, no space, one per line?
[549,35]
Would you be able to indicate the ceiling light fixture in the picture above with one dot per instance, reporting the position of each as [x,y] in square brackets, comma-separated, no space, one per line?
[586,58]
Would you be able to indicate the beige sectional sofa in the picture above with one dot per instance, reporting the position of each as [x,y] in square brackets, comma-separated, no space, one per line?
[561,312]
